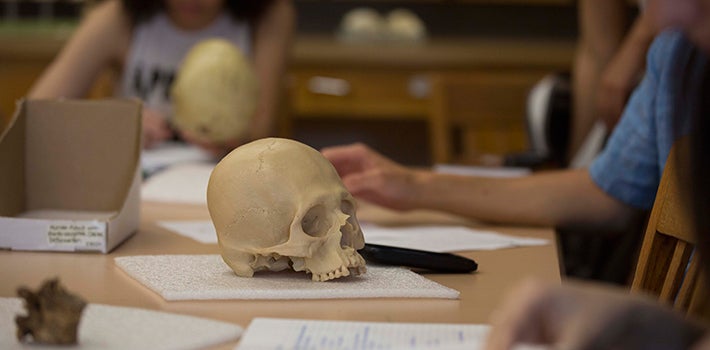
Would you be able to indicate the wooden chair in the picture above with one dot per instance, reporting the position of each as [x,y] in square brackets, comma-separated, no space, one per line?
[478,113]
[668,265]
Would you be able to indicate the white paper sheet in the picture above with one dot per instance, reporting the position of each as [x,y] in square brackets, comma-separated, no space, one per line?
[431,238]
[201,231]
[342,335]
[183,183]
[169,154]
[113,327]
[444,238]
[499,172]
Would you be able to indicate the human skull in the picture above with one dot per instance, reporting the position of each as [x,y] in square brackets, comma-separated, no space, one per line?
[215,93]
[277,203]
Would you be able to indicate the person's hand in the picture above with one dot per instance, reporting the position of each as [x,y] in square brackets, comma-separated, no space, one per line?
[371,176]
[218,150]
[155,128]
[587,317]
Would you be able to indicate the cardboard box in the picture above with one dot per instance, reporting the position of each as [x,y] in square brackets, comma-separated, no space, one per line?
[70,175]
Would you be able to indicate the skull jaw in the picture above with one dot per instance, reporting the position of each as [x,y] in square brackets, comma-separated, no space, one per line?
[330,264]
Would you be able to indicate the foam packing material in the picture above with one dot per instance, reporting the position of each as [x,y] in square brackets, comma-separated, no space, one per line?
[114,327]
[200,277]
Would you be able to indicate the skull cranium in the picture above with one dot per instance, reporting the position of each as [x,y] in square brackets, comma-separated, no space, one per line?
[277,203]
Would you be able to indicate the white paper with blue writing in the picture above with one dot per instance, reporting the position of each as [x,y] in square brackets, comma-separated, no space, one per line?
[282,334]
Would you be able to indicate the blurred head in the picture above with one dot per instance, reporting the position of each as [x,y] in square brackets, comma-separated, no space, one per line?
[690,16]
[193,14]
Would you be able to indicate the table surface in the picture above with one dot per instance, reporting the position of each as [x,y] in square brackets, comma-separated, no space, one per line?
[98,280]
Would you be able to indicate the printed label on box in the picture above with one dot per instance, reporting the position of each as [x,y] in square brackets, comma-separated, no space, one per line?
[82,235]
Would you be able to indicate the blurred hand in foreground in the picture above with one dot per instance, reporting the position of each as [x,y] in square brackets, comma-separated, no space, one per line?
[585,316]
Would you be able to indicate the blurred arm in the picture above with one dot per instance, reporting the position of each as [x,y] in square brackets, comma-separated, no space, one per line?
[602,25]
[101,39]
[624,71]
[273,36]
[564,198]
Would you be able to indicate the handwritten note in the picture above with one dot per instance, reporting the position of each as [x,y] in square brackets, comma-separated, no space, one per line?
[342,335]
[293,334]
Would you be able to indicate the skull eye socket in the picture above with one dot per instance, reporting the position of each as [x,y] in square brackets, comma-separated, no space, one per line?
[315,222]
[347,208]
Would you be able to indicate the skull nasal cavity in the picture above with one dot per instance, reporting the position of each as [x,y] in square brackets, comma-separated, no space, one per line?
[315,221]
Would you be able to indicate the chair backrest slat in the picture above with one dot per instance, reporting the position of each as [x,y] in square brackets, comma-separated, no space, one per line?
[668,267]
[689,288]
[676,271]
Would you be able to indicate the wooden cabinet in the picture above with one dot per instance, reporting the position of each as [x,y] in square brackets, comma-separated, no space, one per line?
[470,94]
[24,56]
[362,93]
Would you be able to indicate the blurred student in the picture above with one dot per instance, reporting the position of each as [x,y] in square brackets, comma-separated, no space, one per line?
[595,317]
[145,40]
[609,196]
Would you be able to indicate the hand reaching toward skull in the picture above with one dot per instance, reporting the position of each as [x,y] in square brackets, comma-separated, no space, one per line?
[279,204]
[371,176]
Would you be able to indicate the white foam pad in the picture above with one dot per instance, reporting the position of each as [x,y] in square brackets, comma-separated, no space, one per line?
[194,277]
[113,327]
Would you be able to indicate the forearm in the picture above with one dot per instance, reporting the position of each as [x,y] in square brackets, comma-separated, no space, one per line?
[101,40]
[585,80]
[273,38]
[633,49]
[564,198]
[603,25]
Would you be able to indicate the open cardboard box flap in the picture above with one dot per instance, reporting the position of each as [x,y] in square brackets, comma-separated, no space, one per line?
[70,178]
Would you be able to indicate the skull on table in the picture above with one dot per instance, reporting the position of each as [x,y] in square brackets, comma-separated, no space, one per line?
[277,203]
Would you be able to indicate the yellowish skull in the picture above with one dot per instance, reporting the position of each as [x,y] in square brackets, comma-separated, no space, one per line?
[277,203]
[215,93]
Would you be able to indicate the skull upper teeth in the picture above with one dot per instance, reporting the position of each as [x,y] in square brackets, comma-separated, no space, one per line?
[342,271]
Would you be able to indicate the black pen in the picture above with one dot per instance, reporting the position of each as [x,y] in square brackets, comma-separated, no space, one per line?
[421,259]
